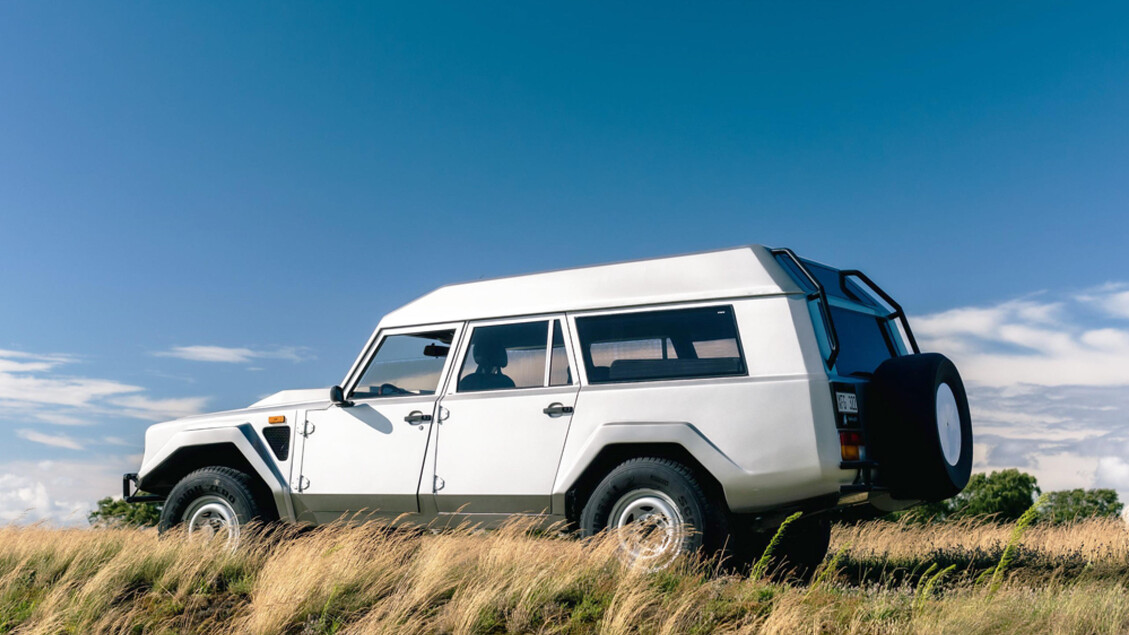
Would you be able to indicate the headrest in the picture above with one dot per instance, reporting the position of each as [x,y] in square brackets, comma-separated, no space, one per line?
[489,353]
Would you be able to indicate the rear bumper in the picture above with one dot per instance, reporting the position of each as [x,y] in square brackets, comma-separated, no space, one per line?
[129,491]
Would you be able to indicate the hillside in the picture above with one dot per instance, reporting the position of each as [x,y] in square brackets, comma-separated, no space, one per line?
[884,578]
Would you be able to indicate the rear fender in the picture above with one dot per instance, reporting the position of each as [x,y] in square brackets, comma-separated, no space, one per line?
[679,433]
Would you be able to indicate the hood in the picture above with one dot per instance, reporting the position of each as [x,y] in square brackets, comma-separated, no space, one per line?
[286,397]
[158,435]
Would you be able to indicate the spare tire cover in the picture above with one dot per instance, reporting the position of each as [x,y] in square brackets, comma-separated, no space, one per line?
[919,427]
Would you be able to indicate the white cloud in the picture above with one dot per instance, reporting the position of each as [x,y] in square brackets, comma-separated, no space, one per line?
[1027,342]
[141,407]
[1113,472]
[57,418]
[1112,299]
[1048,384]
[32,389]
[228,355]
[58,492]
[53,440]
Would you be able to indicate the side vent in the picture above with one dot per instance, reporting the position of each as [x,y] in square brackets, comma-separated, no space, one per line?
[278,438]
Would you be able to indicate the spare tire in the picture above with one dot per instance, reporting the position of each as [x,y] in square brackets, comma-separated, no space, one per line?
[920,428]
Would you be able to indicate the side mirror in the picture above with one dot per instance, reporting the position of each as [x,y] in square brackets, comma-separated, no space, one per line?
[337,396]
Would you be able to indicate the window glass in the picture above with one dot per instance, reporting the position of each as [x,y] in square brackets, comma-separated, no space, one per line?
[505,356]
[660,345]
[559,372]
[604,353]
[864,342]
[406,365]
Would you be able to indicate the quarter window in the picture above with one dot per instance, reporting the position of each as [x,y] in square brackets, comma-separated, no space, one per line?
[559,373]
[653,345]
[408,364]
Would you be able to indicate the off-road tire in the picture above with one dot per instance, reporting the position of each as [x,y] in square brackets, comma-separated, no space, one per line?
[801,549]
[233,486]
[906,432]
[705,518]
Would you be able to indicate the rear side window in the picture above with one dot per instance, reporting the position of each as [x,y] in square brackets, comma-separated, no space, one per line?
[654,345]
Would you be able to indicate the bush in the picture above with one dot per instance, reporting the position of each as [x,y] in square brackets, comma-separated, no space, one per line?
[1002,495]
[1068,506]
[115,512]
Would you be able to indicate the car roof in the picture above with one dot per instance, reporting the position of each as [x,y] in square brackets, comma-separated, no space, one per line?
[736,272]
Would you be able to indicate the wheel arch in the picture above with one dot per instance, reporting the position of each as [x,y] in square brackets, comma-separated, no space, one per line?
[614,454]
[232,447]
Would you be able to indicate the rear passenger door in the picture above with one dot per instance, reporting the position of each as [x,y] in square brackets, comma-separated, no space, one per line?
[504,418]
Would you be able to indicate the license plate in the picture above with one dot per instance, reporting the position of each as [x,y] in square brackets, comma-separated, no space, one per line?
[848,402]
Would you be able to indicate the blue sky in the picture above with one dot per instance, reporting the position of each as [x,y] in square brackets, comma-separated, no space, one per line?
[268,179]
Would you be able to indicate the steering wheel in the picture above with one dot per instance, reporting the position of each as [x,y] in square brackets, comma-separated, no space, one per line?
[391,389]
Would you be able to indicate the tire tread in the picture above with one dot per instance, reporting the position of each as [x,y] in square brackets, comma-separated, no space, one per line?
[238,480]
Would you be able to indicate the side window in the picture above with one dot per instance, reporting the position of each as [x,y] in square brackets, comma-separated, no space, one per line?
[505,356]
[655,345]
[604,353]
[407,364]
[559,372]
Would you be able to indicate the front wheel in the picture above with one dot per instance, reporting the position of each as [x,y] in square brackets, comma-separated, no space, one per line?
[210,502]
[659,509]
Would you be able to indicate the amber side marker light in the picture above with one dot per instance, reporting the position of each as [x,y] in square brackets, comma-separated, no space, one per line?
[850,445]
[277,419]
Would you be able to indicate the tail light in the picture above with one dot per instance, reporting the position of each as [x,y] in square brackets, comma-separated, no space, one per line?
[851,446]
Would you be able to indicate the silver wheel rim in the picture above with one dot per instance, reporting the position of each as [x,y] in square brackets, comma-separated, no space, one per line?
[211,516]
[652,529]
[948,424]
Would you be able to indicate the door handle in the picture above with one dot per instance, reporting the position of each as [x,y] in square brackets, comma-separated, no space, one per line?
[557,409]
[416,416]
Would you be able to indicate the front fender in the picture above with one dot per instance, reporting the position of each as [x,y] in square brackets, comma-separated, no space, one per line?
[245,440]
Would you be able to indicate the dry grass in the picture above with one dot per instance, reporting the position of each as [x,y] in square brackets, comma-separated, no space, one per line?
[1096,549]
[373,580]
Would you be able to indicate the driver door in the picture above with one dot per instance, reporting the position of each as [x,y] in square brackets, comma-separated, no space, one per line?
[369,456]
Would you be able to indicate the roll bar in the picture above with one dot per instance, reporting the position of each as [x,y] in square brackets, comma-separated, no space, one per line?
[819,294]
[898,312]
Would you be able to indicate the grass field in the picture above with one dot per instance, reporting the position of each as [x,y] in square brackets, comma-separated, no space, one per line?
[879,578]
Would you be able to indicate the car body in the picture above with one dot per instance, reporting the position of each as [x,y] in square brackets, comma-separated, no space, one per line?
[748,367]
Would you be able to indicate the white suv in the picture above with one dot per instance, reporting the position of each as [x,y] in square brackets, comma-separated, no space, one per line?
[708,395]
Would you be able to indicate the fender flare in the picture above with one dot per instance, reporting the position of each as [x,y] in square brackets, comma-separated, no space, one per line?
[247,442]
[679,433]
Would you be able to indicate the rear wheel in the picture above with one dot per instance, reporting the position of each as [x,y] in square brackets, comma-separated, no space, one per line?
[803,546]
[660,510]
[211,502]
[800,550]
